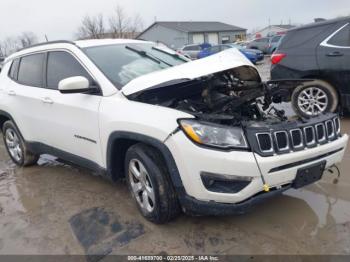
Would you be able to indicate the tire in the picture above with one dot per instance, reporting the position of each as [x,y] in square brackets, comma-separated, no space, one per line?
[302,103]
[16,147]
[165,202]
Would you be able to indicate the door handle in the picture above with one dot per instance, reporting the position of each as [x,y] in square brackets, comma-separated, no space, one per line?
[47,100]
[334,54]
[11,93]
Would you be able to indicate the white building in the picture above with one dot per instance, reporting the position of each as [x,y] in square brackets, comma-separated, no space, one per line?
[272,30]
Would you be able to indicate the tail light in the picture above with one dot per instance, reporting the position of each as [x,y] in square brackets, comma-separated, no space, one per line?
[276,58]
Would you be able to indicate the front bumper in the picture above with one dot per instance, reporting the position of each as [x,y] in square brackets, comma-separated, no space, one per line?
[191,160]
[192,206]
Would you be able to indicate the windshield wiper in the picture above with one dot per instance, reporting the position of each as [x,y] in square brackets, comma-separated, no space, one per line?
[171,54]
[145,54]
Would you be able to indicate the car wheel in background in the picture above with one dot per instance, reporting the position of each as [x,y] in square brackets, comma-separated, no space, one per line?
[16,147]
[313,98]
[150,184]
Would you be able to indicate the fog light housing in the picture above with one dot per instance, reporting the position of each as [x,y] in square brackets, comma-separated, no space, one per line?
[220,183]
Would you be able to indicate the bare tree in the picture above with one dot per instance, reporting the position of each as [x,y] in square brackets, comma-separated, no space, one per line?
[124,26]
[9,46]
[92,27]
[136,25]
[119,23]
[13,44]
[27,39]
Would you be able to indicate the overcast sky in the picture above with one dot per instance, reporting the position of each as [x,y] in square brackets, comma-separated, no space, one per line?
[59,19]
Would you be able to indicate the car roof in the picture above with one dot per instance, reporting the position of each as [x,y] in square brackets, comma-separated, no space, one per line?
[100,42]
[80,44]
[192,45]
[326,22]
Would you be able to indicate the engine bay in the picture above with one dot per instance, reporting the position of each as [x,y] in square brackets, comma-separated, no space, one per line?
[230,97]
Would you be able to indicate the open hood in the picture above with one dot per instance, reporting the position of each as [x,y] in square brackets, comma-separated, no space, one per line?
[229,59]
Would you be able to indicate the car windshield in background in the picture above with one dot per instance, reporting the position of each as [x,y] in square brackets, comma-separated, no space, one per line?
[123,63]
[236,46]
[275,39]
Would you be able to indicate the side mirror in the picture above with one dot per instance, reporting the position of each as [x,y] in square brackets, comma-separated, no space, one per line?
[75,84]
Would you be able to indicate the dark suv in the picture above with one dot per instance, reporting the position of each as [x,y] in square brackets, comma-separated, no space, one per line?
[319,51]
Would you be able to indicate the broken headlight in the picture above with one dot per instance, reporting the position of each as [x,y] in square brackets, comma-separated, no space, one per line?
[209,134]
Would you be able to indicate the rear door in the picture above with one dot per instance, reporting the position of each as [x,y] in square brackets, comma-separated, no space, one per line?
[24,92]
[334,56]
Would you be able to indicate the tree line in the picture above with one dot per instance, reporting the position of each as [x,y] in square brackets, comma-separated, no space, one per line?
[118,25]
[13,44]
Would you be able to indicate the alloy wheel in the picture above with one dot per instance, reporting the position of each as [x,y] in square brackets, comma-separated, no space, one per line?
[141,185]
[312,101]
[13,144]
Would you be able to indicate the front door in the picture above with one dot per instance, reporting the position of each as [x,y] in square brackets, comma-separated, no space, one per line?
[71,120]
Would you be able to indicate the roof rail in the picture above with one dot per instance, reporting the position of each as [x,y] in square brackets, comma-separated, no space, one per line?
[48,43]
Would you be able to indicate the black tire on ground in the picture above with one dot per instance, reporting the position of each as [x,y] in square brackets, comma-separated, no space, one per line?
[331,93]
[166,205]
[27,158]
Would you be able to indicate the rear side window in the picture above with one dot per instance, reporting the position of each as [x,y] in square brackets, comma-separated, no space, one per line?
[14,69]
[31,70]
[342,38]
[61,65]
[301,36]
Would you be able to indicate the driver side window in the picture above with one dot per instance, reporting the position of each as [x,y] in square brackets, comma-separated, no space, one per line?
[61,65]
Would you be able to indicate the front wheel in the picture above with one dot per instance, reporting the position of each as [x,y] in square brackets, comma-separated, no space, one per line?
[314,98]
[150,184]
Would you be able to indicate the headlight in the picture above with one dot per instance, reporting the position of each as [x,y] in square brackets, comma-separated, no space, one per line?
[213,135]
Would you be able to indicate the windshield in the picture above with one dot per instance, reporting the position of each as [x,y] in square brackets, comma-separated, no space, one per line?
[122,63]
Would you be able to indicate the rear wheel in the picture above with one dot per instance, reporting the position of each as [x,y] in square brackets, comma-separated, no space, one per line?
[16,147]
[150,185]
[313,98]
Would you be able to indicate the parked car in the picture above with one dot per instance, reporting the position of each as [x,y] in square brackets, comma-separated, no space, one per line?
[192,51]
[248,52]
[252,54]
[184,135]
[261,44]
[274,43]
[319,51]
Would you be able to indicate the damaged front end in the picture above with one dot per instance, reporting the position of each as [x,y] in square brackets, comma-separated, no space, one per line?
[234,109]
[230,97]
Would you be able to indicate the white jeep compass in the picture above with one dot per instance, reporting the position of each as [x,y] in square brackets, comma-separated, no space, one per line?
[199,136]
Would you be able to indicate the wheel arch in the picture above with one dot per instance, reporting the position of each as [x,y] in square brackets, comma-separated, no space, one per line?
[118,144]
[322,78]
[329,81]
[4,116]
